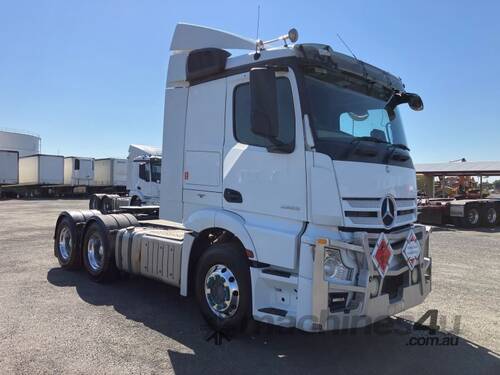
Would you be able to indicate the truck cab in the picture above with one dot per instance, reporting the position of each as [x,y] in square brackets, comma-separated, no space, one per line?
[144,174]
[295,149]
[288,192]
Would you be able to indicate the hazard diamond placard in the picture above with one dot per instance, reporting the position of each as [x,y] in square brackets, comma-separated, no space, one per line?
[411,250]
[382,254]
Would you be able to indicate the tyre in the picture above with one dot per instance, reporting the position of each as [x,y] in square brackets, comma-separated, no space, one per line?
[66,244]
[223,289]
[95,202]
[490,216]
[108,204]
[98,254]
[471,217]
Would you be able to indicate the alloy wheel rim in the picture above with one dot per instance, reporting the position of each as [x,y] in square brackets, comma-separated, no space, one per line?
[473,216]
[222,291]
[65,242]
[95,252]
[492,216]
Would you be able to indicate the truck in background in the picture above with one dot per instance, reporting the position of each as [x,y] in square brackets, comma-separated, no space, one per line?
[288,192]
[144,174]
[142,184]
[9,167]
[465,212]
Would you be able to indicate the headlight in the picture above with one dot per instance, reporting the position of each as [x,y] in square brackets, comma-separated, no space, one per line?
[334,268]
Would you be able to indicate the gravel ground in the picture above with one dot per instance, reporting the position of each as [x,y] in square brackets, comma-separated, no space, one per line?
[55,321]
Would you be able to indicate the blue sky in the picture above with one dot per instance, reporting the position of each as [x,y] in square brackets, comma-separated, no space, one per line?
[89,76]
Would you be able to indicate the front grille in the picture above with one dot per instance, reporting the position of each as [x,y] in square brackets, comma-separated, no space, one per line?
[366,212]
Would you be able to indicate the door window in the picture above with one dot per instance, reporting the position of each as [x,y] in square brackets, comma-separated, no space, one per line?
[286,115]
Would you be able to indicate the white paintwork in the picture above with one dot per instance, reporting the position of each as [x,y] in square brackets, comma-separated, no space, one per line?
[9,167]
[325,208]
[110,172]
[188,37]
[205,136]
[84,175]
[382,180]
[41,170]
[173,151]
[24,143]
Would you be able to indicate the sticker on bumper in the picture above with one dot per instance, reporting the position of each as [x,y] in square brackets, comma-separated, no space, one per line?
[411,250]
[382,254]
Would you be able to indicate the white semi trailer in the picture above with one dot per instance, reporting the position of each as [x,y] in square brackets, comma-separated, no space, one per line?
[78,171]
[41,169]
[110,172]
[288,194]
[9,164]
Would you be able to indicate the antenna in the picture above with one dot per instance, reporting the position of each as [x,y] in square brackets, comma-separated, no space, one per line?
[346,46]
[258,22]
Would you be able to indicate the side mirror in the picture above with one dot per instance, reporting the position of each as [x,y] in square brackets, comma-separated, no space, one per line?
[415,102]
[264,103]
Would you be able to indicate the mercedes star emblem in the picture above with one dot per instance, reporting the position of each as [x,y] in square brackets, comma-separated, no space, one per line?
[388,211]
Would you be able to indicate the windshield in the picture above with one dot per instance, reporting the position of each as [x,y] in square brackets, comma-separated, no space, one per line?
[342,114]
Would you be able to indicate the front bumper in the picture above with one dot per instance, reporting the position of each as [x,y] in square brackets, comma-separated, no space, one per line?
[359,305]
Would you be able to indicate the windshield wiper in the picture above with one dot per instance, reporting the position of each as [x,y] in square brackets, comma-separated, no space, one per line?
[400,145]
[367,152]
[369,139]
[398,157]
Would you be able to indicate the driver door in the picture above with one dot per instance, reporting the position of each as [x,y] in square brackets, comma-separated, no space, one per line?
[267,189]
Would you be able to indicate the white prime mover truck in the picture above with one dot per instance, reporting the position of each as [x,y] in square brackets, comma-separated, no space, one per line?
[288,194]
[141,173]
[144,174]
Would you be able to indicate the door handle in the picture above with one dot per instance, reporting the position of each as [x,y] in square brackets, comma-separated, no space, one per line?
[233,196]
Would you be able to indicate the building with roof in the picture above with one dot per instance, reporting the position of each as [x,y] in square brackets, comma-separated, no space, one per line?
[462,167]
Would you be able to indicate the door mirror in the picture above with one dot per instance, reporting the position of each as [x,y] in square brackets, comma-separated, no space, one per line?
[264,103]
[415,102]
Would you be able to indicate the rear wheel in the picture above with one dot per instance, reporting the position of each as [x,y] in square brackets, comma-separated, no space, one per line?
[471,216]
[98,257]
[95,202]
[108,204]
[66,244]
[223,288]
[490,216]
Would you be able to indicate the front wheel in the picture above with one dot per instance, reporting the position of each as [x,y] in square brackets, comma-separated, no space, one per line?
[223,289]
